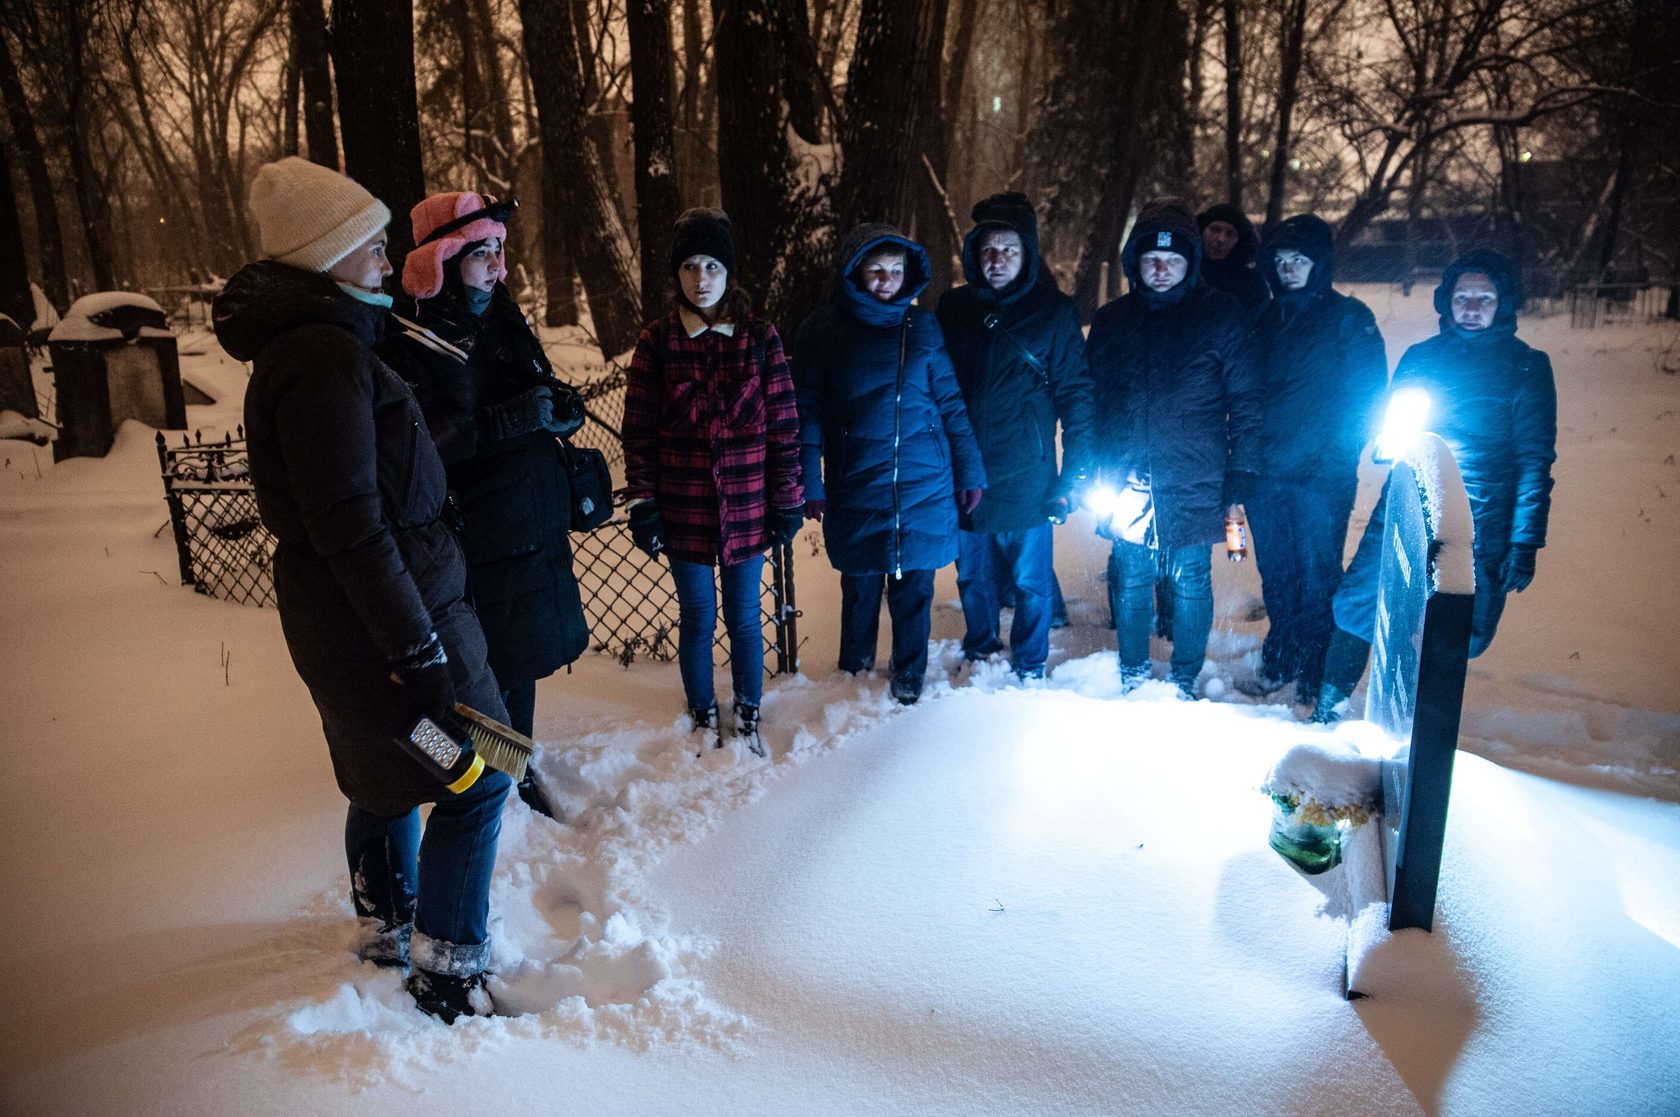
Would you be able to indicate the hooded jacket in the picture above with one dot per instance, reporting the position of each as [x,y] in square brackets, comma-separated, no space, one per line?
[512,492]
[1494,402]
[352,488]
[884,435]
[1322,365]
[1177,395]
[1235,274]
[1015,401]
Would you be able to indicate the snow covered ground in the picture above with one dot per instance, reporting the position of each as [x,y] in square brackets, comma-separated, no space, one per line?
[1001,901]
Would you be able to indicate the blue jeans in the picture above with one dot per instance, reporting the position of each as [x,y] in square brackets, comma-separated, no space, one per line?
[1190,571]
[909,603]
[697,607]
[439,882]
[1023,559]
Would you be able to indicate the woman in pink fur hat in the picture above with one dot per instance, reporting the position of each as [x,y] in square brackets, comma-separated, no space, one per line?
[495,410]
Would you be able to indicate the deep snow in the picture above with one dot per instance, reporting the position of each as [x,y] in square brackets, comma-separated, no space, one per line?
[1001,901]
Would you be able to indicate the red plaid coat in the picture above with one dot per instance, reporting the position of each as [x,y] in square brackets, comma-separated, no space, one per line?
[711,433]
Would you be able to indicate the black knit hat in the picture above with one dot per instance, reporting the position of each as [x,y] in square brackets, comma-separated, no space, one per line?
[1166,225]
[1305,233]
[703,232]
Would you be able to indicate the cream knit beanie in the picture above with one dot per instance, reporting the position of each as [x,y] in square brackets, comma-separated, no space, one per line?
[310,216]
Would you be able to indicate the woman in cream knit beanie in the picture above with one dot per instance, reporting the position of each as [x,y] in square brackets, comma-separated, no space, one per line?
[310,216]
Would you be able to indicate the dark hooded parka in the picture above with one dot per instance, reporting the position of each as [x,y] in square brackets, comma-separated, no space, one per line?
[1235,274]
[1323,371]
[1177,395]
[506,475]
[1020,359]
[349,482]
[1494,402]
[885,438]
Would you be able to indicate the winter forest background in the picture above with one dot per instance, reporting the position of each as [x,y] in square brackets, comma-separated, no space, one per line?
[1543,127]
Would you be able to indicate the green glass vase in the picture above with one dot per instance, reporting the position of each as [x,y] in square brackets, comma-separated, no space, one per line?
[1308,847]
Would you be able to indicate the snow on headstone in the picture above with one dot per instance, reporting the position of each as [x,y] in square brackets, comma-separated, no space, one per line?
[46,317]
[111,316]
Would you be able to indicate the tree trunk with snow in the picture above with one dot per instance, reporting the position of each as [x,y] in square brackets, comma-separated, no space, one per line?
[373,61]
[578,212]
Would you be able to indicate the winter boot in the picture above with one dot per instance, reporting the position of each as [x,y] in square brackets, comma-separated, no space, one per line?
[1261,685]
[1186,685]
[532,794]
[1133,677]
[746,728]
[906,689]
[447,996]
[705,728]
[1331,707]
[382,943]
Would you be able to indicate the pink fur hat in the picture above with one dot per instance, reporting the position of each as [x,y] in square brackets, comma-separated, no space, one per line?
[423,270]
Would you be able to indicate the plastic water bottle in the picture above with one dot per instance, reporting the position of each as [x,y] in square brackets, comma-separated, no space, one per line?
[1236,538]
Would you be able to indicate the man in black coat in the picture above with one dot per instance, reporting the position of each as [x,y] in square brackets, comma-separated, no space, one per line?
[1020,360]
[1323,368]
[1229,244]
[1493,401]
[1178,411]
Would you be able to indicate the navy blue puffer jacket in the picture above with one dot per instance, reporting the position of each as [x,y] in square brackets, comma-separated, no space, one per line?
[884,436]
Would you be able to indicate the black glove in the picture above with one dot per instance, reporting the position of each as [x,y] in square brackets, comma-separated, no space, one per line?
[785,524]
[1519,567]
[532,409]
[1239,485]
[423,672]
[568,415]
[647,530]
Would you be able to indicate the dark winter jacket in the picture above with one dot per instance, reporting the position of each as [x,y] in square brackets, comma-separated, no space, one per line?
[1177,395]
[884,435]
[1494,403]
[711,435]
[1322,366]
[506,474]
[1019,355]
[1235,274]
[347,479]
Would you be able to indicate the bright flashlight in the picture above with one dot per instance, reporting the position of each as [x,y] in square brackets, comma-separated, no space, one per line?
[1408,411]
[1101,501]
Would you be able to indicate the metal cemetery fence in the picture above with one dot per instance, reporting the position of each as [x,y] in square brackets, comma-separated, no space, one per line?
[223,546]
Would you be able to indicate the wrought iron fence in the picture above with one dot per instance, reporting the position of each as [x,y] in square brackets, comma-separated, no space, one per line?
[1608,304]
[225,550]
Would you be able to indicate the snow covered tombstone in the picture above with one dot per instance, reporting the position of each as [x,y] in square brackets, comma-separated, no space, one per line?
[114,358]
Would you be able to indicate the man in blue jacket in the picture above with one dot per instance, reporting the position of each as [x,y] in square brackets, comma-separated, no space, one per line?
[1020,359]
[1494,403]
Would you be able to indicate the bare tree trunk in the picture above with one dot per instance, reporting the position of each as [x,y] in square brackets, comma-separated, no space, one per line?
[1618,199]
[1414,211]
[373,61]
[15,300]
[1233,102]
[78,26]
[309,40]
[289,110]
[956,110]
[658,198]
[49,235]
[576,202]
[1289,86]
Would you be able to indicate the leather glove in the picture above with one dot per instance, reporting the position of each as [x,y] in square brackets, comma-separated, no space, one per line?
[816,510]
[532,409]
[1239,486]
[423,673]
[647,530]
[968,500]
[567,414]
[1056,510]
[1519,567]
[785,524]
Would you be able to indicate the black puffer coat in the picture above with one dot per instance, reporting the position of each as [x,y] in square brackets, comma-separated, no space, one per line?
[884,436]
[353,489]
[1177,395]
[1322,366]
[1012,405]
[512,492]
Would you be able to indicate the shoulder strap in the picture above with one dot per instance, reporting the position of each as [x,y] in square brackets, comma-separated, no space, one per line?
[425,338]
[993,323]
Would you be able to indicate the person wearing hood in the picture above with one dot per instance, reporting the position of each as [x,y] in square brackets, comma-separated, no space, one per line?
[889,457]
[711,464]
[495,409]
[1323,371]
[1229,244]
[1493,401]
[1019,355]
[1178,421]
[370,581]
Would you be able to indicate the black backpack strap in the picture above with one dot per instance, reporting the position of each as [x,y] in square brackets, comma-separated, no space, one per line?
[993,323]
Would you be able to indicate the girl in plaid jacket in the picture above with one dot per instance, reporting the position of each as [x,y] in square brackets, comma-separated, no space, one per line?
[711,463]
